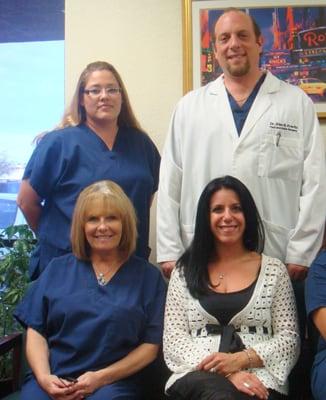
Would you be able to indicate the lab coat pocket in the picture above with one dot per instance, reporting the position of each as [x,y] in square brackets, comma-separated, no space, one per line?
[187,232]
[280,157]
[277,238]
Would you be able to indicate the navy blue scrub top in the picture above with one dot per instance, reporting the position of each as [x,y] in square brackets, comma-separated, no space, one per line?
[315,291]
[240,113]
[89,326]
[66,161]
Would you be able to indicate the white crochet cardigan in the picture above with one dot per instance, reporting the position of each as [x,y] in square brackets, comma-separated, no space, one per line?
[271,310]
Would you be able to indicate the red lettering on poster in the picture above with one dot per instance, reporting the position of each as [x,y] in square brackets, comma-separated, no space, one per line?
[312,39]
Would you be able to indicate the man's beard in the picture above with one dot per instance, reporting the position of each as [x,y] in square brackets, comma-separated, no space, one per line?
[238,70]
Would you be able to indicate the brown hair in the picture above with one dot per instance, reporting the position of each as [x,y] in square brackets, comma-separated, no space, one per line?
[75,113]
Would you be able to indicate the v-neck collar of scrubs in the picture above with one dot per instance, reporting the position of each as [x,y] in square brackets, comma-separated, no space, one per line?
[91,278]
[101,141]
[240,113]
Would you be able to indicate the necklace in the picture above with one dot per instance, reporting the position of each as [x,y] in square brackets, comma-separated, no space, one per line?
[100,279]
[239,101]
[236,99]
[100,276]
[220,277]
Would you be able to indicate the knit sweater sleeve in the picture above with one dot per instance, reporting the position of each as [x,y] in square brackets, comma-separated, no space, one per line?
[181,351]
[281,352]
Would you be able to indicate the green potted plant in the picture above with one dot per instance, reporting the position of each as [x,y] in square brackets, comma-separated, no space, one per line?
[16,244]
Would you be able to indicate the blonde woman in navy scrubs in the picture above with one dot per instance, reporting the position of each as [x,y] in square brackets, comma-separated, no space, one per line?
[94,318]
[99,138]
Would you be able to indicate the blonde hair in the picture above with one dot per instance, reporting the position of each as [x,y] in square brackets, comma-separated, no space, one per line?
[75,113]
[113,197]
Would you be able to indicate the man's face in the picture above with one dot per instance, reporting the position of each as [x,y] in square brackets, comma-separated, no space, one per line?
[236,47]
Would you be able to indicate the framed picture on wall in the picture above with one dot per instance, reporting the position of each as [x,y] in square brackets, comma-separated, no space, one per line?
[294,34]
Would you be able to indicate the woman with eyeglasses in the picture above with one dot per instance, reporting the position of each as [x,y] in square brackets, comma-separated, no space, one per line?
[99,138]
[94,317]
[230,327]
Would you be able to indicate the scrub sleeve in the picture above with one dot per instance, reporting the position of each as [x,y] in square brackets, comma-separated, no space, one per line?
[316,298]
[88,326]
[68,160]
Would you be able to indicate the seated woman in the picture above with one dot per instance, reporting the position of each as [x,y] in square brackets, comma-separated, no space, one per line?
[230,329]
[316,309]
[94,318]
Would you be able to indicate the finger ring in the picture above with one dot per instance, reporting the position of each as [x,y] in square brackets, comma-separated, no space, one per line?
[213,369]
[247,385]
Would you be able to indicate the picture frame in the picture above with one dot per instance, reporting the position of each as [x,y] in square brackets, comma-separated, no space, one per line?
[299,62]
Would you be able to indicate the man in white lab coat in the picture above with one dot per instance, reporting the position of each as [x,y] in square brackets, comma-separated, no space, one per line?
[251,125]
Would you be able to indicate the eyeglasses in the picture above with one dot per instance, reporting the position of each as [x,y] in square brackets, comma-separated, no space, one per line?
[96,92]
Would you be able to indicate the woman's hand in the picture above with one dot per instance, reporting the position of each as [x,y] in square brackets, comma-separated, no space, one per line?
[248,383]
[89,382]
[58,388]
[222,363]
[167,268]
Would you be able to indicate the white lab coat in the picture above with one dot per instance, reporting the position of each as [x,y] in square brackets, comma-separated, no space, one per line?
[279,156]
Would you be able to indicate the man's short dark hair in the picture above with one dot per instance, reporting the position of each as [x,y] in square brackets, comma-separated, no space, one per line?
[256,27]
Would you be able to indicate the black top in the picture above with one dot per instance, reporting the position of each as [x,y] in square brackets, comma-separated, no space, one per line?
[224,306]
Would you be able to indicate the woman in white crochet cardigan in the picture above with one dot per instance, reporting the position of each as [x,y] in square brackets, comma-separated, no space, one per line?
[230,321]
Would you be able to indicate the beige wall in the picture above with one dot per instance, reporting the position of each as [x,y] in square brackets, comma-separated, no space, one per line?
[143,40]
